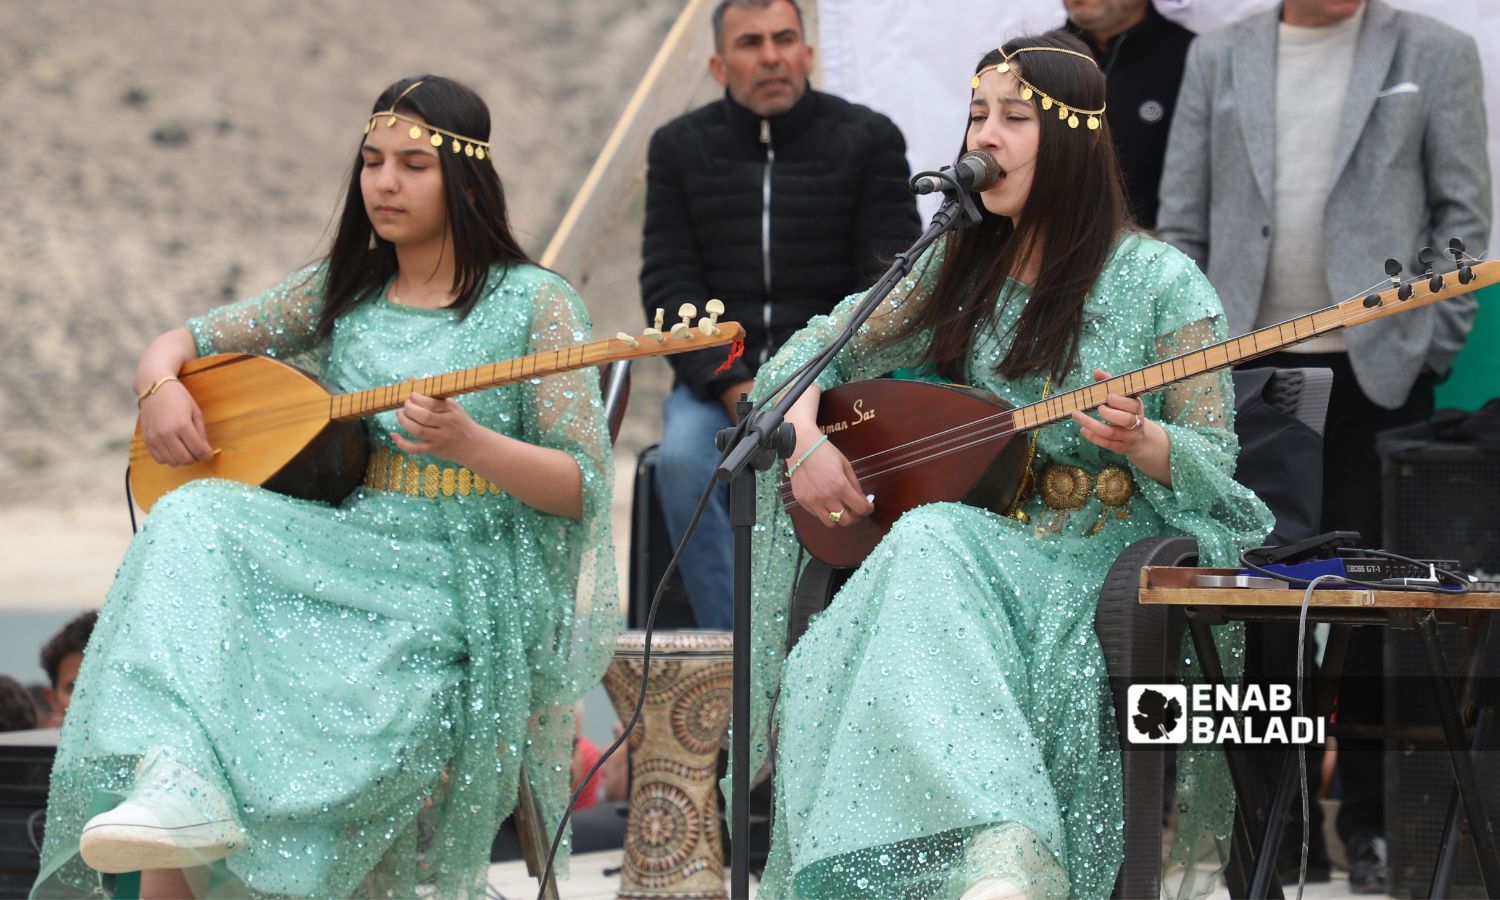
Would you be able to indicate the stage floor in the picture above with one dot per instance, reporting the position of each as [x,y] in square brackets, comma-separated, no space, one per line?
[589,882]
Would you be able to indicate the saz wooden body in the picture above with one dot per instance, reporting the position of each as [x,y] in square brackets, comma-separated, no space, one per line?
[275,426]
[872,420]
[271,425]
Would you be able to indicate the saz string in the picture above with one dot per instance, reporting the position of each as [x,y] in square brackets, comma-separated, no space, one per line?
[923,449]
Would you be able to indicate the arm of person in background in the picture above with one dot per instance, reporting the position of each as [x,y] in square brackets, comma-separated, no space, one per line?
[672,273]
[1458,184]
[585,754]
[616,770]
[886,220]
[1182,219]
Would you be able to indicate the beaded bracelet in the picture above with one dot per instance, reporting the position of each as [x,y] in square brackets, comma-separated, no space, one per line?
[792,469]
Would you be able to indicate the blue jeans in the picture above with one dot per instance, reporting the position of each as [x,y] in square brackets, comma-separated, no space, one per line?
[685,463]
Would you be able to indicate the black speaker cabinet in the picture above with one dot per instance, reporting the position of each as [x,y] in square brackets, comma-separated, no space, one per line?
[1419,774]
[1440,502]
[25,769]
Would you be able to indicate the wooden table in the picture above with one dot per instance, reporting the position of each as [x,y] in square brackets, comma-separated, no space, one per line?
[1258,827]
[1175,586]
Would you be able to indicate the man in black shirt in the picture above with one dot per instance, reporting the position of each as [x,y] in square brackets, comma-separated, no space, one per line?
[778,200]
[1142,55]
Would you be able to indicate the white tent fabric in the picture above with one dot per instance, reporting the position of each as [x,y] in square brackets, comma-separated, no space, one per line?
[912,60]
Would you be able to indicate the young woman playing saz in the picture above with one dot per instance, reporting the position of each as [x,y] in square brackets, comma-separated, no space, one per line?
[284,697]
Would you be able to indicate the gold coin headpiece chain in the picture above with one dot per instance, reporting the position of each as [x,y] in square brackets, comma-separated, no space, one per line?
[435,136]
[1067,113]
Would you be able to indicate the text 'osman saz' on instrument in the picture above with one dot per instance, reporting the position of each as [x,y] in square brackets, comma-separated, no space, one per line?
[275,426]
[931,443]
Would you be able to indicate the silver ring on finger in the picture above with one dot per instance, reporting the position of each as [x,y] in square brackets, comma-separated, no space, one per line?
[1138,423]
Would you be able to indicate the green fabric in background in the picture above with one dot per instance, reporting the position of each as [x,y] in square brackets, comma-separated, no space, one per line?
[1476,371]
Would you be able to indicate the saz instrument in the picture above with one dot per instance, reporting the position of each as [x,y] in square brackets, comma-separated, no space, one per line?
[915,442]
[276,426]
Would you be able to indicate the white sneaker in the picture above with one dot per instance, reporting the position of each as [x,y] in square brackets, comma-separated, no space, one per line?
[994,889]
[1009,862]
[132,838]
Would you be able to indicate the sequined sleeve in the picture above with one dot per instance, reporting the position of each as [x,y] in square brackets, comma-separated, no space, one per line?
[872,351]
[1198,416]
[280,322]
[564,412]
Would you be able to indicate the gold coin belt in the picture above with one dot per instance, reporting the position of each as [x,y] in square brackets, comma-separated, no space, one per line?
[391,470]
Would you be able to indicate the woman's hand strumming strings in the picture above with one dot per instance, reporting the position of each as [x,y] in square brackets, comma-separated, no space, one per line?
[171,423]
[825,485]
[172,426]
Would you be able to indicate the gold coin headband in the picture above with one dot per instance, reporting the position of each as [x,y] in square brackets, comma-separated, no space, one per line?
[1029,90]
[435,136]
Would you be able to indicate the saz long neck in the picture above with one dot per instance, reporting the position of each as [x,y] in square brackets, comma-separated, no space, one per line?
[1249,346]
[358,404]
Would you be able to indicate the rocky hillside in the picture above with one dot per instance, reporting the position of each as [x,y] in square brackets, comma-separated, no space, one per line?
[163,156]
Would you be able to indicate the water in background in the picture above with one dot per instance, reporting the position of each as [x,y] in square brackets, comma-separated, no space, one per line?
[22,634]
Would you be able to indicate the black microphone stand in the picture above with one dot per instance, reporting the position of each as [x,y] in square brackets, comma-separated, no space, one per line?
[754,445]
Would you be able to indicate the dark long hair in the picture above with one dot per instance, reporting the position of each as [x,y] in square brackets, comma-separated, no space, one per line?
[1074,211]
[360,260]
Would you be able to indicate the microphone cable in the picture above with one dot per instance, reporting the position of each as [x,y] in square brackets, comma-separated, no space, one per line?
[130,503]
[640,701]
[1302,755]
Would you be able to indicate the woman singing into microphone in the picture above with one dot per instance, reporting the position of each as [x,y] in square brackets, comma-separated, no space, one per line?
[944,728]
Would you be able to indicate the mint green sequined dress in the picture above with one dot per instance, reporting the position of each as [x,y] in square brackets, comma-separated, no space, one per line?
[360,685]
[945,719]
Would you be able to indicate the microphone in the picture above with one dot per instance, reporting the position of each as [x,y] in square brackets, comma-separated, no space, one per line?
[974,171]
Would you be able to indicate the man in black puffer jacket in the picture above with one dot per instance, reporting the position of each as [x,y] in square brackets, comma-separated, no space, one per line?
[779,201]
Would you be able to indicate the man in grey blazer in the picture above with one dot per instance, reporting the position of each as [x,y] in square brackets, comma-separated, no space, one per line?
[1310,143]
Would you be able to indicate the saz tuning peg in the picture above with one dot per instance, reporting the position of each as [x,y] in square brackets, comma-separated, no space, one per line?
[1456,250]
[1426,257]
[683,330]
[1393,269]
[709,326]
[654,332]
[628,340]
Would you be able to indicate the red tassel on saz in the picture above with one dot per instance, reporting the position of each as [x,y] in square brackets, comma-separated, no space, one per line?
[736,350]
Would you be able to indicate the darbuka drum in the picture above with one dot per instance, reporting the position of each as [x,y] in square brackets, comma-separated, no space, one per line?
[672,846]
